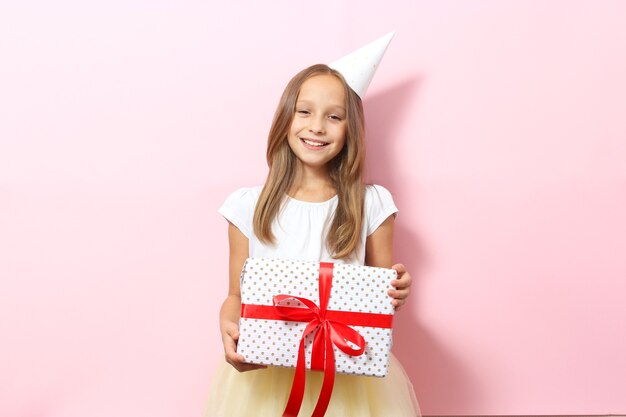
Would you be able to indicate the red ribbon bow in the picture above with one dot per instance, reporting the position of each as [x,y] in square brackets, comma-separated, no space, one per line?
[329,333]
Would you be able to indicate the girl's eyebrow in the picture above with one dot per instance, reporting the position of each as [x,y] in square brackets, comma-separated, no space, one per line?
[332,107]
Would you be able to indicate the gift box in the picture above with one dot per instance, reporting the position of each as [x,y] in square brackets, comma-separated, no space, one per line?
[321,306]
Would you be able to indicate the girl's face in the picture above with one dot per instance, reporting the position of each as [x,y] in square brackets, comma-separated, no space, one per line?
[318,129]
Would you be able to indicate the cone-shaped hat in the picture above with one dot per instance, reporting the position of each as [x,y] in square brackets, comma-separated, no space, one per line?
[358,67]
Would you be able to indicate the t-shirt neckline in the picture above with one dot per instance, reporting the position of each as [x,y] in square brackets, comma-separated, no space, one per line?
[311,203]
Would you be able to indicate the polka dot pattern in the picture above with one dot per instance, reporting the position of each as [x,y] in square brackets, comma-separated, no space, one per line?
[355,288]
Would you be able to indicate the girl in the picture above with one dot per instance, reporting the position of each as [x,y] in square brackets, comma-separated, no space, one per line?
[314,206]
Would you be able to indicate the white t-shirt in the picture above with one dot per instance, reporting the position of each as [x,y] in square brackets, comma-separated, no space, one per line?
[300,227]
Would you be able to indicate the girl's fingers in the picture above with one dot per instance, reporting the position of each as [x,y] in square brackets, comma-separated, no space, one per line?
[233,357]
[237,361]
[404,278]
[233,332]
[401,283]
[397,303]
[400,268]
[230,351]
[230,337]
[249,367]
[402,286]
[400,294]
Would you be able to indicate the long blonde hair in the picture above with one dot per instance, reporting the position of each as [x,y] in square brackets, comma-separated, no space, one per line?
[346,169]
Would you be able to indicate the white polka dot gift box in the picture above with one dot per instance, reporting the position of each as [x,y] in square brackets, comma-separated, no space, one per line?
[331,317]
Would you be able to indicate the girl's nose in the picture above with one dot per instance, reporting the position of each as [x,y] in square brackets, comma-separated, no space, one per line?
[317,125]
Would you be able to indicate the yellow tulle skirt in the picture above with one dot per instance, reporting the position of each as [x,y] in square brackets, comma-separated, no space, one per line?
[264,393]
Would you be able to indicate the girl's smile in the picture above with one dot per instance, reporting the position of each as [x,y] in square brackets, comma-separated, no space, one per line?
[313,143]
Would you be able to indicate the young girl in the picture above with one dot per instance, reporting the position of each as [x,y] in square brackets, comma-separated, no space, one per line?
[314,206]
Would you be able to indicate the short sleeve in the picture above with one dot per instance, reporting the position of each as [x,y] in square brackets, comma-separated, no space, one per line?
[378,206]
[238,208]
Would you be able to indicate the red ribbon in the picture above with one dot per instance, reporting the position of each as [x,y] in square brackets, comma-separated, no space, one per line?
[331,327]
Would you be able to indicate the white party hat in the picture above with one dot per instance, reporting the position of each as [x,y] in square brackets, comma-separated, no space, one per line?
[358,67]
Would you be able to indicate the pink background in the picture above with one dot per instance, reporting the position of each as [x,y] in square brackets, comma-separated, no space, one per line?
[499,127]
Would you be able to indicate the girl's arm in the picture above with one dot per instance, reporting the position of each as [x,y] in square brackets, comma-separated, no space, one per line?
[231,308]
[379,252]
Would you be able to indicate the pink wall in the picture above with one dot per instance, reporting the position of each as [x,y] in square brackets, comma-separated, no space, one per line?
[499,126]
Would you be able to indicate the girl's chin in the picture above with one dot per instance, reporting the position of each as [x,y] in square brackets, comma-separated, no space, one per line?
[313,162]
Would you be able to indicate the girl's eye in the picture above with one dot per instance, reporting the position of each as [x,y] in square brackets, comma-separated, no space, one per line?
[303,112]
[334,117]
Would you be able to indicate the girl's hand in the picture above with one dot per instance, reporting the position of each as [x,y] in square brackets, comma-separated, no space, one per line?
[230,335]
[402,286]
